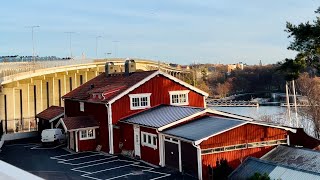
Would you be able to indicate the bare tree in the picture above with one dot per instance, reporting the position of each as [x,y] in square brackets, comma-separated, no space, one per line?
[310,88]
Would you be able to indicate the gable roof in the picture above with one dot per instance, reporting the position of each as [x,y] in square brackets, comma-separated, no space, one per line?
[162,115]
[300,158]
[52,113]
[115,86]
[79,122]
[275,171]
[203,127]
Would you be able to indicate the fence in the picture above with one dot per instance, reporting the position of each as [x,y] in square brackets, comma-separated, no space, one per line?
[19,125]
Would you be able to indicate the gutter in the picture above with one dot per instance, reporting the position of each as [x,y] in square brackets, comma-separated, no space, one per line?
[110,128]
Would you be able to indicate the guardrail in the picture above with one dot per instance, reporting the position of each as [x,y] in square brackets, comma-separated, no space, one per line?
[230,103]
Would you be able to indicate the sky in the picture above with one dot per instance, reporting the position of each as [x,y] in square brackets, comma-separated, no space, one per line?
[175,31]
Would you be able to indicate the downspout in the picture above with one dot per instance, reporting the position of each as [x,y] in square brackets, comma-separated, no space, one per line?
[110,129]
[199,158]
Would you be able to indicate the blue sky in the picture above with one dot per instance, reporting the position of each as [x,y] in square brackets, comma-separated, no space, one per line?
[179,31]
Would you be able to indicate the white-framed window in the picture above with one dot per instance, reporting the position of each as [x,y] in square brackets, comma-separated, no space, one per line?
[148,139]
[87,134]
[139,101]
[179,97]
[82,106]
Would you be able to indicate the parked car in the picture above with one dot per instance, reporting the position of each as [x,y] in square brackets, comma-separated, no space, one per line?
[50,136]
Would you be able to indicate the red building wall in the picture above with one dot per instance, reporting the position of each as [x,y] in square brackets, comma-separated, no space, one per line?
[99,112]
[148,154]
[126,136]
[243,134]
[159,88]
[87,145]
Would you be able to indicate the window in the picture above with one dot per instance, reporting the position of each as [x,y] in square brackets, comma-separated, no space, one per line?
[139,101]
[149,140]
[179,97]
[87,134]
[81,106]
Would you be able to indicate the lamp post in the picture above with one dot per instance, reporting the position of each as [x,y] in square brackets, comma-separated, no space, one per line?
[97,37]
[70,33]
[32,27]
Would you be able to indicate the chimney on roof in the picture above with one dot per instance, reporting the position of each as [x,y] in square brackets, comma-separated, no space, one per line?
[129,66]
[109,68]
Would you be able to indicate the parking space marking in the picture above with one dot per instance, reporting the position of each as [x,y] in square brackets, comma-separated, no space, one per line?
[116,160]
[39,147]
[74,164]
[21,144]
[80,157]
[57,157]
[131,173]
[163,174]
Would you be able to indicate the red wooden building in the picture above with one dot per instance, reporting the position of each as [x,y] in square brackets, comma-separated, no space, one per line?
[112,96]
[162,120]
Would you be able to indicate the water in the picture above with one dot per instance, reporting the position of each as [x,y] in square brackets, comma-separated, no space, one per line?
[274,114]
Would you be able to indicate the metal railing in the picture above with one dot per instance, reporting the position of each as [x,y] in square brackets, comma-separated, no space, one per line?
[18,125]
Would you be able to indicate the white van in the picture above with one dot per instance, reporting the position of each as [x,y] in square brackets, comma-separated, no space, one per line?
[53,136]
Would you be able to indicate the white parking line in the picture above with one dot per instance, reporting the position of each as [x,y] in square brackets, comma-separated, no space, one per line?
[131,173]
[56,157]
[21,144]
[164,174]
[39,147]
[81,157]
[74,164]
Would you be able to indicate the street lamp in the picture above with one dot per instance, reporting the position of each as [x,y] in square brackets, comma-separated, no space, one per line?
[32,27]
[70,33]
[97,45]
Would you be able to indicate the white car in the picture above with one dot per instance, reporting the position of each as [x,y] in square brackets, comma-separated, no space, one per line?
[52,136]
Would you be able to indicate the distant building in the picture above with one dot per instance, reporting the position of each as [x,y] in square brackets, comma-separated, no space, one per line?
[232,67]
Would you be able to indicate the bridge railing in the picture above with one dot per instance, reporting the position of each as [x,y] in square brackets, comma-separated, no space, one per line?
[11,68]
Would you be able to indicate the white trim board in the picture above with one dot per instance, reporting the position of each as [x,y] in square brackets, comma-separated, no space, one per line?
[55,118]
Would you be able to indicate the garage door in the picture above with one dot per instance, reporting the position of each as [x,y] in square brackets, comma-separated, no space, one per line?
[172,153]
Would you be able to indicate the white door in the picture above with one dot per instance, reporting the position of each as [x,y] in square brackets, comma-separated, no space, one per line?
[136,130]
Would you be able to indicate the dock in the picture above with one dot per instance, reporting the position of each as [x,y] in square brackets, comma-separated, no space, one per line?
[231,103]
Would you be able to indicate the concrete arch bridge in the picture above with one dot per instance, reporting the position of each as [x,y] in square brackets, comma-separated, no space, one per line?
[27,88]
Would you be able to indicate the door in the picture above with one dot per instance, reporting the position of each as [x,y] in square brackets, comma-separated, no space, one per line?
[136,130]
[171,154]
[72,142]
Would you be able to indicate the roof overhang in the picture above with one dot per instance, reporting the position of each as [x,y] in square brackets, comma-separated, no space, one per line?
[55,118]
[85,128]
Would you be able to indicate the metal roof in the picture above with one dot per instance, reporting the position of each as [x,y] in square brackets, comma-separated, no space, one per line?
[301,158]
[203,127]
[253,165]
[162,115]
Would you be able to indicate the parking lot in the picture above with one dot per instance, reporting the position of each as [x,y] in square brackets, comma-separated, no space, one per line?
[57,163]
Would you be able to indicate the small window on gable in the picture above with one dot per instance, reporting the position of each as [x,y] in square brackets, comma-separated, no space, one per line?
[179,97]
[139,101]
[81,106]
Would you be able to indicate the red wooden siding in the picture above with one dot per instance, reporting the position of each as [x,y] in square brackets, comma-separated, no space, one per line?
[243,134]
[87,145]
[159,88]
[99,112]
[148,154]
[126,136]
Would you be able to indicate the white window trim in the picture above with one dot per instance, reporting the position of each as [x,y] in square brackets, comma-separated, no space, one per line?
[152,138]
[139,96]
[186,92]
[81,106]
[87,130]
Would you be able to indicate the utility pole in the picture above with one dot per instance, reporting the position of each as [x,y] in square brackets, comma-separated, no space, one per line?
[33,53]
[97,38]
[70,33]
